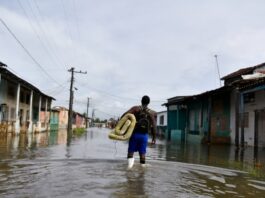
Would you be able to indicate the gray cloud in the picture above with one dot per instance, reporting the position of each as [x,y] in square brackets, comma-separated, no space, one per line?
[131,48]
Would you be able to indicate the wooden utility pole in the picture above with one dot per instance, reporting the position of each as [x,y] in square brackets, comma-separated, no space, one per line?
[93,115]
[87,112]
[70,112]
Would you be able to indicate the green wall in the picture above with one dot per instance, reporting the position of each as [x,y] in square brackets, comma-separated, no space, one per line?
[54,121]
[176,124]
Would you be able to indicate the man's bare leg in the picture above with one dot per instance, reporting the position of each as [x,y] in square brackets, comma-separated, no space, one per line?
[130,160]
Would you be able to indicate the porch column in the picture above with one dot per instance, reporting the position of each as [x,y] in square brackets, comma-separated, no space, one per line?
[209,118]
[182,134]
[237,97]
[168,125]
[46,120]
[242,140]
[256,136]
[39,113]
[256,130]
[178,117]
[17,123]
[201,121]
[30,129]
[187,113]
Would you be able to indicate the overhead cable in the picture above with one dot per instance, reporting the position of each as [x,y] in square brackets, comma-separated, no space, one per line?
[120,97]
[35,30]
[27,52]
[60,61]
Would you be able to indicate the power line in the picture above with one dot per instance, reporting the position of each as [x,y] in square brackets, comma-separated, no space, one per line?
[28,53]
[111,115]
[57,87]
[76,20]
[45,35]
[57,91]
[66,16]
[119,97]
[93,105]
[35,30]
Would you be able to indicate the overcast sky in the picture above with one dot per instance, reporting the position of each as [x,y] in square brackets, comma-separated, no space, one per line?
[129,48]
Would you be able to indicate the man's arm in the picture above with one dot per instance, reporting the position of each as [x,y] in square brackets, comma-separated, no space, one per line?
[132,110]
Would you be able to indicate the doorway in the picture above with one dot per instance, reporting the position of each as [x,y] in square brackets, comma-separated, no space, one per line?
[259,128]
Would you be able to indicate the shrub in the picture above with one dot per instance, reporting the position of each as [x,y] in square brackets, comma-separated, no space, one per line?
[79,131]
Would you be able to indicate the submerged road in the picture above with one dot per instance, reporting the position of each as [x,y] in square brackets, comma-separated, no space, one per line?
[43,165]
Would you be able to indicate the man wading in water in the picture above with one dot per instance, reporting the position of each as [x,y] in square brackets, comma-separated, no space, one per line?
[145,123]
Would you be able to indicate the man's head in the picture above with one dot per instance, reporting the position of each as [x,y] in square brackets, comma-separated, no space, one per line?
[145,100]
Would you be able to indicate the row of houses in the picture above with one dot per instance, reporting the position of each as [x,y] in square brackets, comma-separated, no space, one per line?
[24,108]
[59,119]
[231,114]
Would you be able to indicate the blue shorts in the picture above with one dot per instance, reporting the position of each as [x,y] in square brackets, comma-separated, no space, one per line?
[138,142]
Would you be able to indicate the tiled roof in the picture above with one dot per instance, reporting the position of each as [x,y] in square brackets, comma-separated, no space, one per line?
[12,77]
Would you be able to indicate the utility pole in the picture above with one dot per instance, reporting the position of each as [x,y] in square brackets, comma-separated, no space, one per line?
[218,69]
[87,112]
[70,112]
[93,115]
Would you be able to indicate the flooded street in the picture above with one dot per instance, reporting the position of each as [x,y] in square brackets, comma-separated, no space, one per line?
[42,165]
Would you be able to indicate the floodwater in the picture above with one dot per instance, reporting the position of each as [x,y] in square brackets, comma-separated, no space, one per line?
[46,165]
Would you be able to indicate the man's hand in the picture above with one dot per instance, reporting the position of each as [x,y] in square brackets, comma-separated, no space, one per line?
[153,141]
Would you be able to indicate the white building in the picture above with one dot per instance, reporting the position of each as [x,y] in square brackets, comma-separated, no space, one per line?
[247,118]
[161,122]
[23,107]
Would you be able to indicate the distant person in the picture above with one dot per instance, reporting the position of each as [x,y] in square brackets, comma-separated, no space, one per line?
[145,123]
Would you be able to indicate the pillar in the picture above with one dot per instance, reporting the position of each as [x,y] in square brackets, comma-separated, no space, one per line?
[30,129]
[17,123]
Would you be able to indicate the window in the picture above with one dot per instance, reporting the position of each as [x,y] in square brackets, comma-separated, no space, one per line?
[12,113]
[161,120]
[4,109]
[35,113]
[11,91]
[27,98]
[21,97]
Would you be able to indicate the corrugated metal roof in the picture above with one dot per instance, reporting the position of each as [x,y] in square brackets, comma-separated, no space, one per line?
[60,108]
[243,71]
[246,84]
[179,99]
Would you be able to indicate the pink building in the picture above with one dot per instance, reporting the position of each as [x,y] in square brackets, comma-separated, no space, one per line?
[79,120]
[63,116]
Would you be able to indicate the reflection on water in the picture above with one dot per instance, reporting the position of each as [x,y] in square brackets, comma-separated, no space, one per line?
[247,159]
[134,184]
[42,165]
[22,145]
